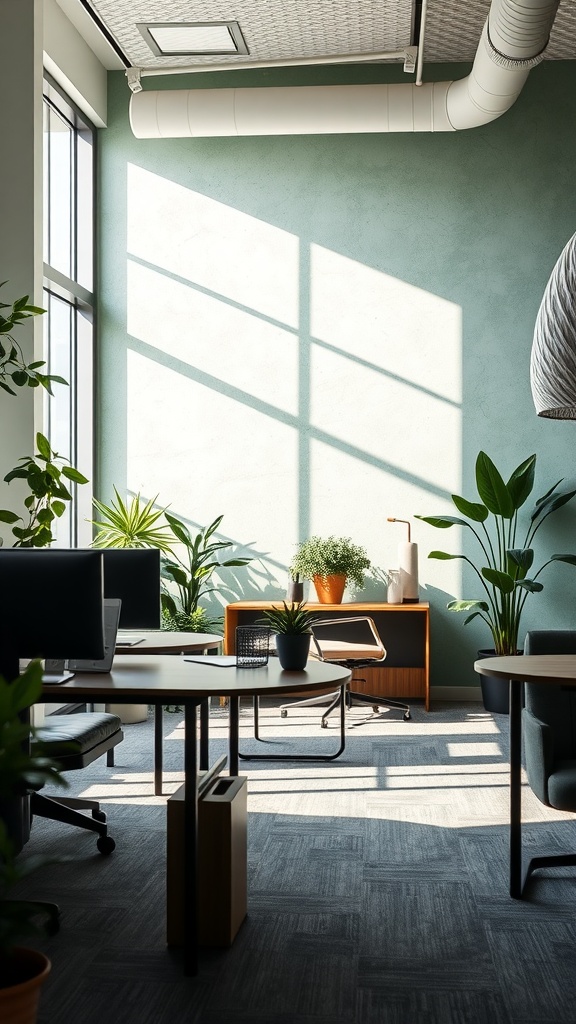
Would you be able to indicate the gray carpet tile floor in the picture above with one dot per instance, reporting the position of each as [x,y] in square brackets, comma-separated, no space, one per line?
[377,884]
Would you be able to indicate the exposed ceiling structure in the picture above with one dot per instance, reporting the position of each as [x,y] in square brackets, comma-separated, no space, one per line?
[281,30]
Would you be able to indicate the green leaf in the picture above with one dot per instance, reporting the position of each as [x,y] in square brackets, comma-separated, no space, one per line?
[179,530]
[568,559]
[43,446]
[443,522]
[20,378]
[532,586]
[521,482]
[522,558]
[478,513]
[58,508]
[8,517]
[501,580]
[443,556]
[551,504]
[74,474]
[466,606]
[492,489]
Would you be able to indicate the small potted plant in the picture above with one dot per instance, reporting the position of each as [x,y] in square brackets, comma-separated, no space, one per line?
[505,556]
[22,768]
[331,563]
[291,625]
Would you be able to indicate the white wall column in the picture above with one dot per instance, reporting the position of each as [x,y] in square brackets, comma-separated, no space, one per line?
[20,212]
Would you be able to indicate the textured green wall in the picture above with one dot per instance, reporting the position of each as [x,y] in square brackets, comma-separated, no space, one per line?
[475,220]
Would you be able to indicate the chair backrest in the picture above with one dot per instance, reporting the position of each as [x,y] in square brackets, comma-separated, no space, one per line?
[348,638]
[553,705]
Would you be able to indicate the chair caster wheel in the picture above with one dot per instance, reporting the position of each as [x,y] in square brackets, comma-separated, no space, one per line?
[283,713]
[375,709]
[105,845]
[323,724]
[407,716]
[99,815]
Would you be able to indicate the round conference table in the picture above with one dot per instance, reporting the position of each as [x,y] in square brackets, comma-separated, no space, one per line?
[164,679]
[166,642]
[547,670]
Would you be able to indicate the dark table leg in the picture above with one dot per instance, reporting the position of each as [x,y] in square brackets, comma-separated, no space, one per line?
[204,734]
[190,839]
[516,884]
[158,752]
[233,726]
[287,757]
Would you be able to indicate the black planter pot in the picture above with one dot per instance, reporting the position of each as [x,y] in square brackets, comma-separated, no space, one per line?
[293,650]
[495,691]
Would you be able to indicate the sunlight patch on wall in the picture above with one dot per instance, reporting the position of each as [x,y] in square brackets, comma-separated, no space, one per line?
[213,338]
[208,454]
[212,245]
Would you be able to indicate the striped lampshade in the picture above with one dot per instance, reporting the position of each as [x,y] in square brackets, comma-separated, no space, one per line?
[553,361]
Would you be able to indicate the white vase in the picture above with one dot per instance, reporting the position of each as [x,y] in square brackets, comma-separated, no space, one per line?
[394,595]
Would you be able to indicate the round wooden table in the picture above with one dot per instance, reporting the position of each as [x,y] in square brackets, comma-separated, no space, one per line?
[547,670]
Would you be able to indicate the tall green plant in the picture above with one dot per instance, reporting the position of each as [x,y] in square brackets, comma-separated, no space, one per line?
[506,552]
[192,572]
[46,474]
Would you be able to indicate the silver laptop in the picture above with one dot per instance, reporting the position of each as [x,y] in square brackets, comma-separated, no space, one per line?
[112,607]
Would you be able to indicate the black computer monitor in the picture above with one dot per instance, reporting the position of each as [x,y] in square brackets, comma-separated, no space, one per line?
[50,605]
[133,575]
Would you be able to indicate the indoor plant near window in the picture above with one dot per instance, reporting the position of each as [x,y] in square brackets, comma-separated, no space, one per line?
[506,554]
[22,768]
[331,563]
[291,625]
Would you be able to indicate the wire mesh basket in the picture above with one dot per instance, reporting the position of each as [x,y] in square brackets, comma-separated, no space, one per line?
[252,646]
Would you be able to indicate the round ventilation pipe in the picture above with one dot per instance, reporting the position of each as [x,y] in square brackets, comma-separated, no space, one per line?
[553,360]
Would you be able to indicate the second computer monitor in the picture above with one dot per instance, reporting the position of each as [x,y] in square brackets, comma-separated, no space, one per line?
[133,575]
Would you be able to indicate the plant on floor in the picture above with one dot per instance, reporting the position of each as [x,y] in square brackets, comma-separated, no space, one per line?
[132,524]
[46,474]
[191,573]
[199,621]
[290,619]
[13,366]
[24,766]
[505,560]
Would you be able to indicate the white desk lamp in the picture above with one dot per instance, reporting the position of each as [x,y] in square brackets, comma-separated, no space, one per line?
[408,563]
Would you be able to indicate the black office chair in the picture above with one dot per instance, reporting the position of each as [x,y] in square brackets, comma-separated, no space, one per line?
[549,734]
[355,643]
[76,740]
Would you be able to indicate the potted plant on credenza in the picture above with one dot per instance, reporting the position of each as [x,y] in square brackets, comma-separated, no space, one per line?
[506,556]
[331,563]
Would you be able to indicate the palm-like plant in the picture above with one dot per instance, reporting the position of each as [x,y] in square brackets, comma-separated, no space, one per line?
[504,576]
[290,620]
[130,524]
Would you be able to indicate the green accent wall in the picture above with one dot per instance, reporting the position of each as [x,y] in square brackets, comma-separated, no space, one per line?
[332,329]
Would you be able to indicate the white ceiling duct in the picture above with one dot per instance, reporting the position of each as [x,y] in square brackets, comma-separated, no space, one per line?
[513,41]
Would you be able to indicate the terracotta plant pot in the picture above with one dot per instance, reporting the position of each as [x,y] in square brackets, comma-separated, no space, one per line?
[330,589]
[19,1001]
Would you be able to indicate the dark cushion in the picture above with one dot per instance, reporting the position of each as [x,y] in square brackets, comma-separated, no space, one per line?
[562,786]
[67,735]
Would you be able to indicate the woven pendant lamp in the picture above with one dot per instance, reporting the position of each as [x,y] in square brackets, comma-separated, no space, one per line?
[553,360]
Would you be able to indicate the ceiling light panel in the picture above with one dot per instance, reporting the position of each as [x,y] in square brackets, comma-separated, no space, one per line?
[194,38]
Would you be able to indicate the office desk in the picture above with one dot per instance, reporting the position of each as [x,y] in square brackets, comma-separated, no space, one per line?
[165,642]
[164,679]
[552,670]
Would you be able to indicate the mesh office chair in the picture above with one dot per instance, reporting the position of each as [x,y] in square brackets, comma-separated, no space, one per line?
[355,643]
[76,740]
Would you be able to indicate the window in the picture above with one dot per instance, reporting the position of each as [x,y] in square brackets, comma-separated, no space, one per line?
[69,164]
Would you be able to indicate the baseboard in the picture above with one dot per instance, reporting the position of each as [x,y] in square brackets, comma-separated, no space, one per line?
[464,693]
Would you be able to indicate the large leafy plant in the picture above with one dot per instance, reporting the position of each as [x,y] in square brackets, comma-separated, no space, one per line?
[504,569]
[191,573]
[46,473]
[13,367]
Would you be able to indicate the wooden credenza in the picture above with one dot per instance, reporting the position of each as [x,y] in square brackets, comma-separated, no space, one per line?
[405,632]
